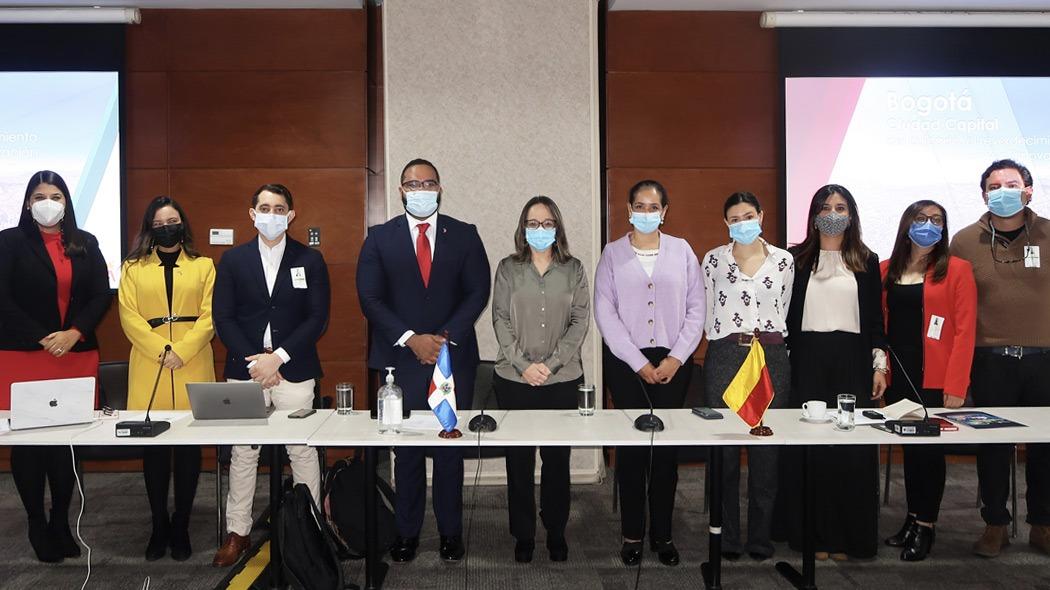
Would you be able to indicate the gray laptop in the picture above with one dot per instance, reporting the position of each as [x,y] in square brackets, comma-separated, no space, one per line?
[224,404]
[55,402]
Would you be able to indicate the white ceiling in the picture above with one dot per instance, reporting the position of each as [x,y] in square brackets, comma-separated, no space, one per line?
[785,5]
[188,3]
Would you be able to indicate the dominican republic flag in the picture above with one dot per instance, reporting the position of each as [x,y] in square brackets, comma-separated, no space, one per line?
[442,396]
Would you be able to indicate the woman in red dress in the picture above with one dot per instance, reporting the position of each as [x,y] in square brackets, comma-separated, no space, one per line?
[54,290]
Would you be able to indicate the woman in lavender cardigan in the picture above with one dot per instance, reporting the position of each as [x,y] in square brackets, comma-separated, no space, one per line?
[649,306]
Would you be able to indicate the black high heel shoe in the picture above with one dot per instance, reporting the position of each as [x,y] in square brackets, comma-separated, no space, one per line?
[920,544]
[41,540]
[904,535]
[631,553]
[158,541]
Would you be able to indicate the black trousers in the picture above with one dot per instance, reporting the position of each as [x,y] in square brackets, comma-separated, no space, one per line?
[1007,381]
[31,467]
[555,499]
[633,463]
[924,465]
[157,469]
[721,364]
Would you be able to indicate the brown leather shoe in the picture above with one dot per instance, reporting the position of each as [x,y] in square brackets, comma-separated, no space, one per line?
[1039,538]
[231,550]
[992,541]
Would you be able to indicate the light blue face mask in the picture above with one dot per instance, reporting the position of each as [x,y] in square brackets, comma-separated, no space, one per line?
[1005,202]
[745,232]
[421,204]
[925,234]
[646,223]
[540,239]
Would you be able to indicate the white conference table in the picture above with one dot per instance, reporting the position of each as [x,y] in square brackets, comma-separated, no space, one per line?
[326,428]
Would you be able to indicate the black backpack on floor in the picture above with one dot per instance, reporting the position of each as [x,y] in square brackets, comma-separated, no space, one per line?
[310,559]
[344,504]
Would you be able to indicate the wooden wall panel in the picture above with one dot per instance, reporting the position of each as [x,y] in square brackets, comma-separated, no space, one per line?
[278,119]
[241,98]
[691,120]
[668,41]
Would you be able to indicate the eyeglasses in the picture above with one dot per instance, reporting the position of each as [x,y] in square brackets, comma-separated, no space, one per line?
[545,224]
[937,220]
[415,185]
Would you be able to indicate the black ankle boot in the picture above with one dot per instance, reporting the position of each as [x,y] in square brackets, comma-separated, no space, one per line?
[158,540]
[40,538]
[920,543]
[181,550]
[903,535]
[61,536]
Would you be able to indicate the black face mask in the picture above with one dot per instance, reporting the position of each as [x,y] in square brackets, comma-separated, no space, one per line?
[167,236]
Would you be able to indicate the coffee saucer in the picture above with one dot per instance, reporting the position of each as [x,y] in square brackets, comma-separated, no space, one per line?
[825,420]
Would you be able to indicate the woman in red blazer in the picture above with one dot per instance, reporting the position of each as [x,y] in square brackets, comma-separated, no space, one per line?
[929,301]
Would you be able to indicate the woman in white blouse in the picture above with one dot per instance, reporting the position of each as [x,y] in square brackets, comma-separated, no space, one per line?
[748,283]
[837,343]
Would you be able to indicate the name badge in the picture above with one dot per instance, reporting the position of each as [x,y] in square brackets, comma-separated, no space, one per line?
[1031,256]
[299,277]
[936,325]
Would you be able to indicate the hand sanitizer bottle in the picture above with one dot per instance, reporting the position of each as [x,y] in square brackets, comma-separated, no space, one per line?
[390,400]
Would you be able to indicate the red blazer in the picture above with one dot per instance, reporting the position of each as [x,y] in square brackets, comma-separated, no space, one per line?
[946,362]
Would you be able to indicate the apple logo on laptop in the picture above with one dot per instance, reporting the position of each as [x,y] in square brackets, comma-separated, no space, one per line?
[226,401]
[53,403]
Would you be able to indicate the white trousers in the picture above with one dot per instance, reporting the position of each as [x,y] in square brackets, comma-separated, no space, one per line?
[244,462]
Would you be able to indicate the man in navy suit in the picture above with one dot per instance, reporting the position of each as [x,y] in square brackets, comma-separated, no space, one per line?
[270,306]
[423,278]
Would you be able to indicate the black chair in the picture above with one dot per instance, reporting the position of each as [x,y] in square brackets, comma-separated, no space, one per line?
[113,393]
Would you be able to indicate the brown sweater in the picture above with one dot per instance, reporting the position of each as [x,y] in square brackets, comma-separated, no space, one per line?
[1013,301]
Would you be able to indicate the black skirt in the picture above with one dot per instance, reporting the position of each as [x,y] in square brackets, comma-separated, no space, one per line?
[844,478]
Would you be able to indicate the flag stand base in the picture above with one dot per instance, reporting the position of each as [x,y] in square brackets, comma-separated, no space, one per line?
[455,433]
[761,430]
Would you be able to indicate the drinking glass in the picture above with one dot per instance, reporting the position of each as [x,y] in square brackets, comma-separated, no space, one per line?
[847,404]
[585,400]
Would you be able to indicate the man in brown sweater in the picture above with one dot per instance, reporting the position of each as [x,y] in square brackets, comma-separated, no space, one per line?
[1011,364]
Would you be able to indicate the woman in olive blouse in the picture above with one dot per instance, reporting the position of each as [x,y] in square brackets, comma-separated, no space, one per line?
[540,312]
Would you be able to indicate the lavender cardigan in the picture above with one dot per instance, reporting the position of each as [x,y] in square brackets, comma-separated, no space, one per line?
[634,311]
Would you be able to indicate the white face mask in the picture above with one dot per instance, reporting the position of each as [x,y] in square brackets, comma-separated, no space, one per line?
[271,225]
[47,212]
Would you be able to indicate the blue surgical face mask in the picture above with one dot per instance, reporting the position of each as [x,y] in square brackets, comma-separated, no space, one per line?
[646,223]
[746,231]
[540,239]
[1005,202]
[421,204]
[925,234]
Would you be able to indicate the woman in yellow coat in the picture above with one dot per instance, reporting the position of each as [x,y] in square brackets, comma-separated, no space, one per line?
[165,300]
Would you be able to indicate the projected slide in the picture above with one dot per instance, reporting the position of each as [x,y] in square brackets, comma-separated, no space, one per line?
[893,141]
[67,122]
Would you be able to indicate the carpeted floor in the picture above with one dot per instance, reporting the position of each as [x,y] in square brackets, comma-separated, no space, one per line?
[116,525]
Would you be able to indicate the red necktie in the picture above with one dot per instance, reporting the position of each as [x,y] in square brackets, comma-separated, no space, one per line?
[423,252]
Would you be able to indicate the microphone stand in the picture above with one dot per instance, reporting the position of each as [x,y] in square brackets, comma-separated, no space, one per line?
[648,422]
[147,428]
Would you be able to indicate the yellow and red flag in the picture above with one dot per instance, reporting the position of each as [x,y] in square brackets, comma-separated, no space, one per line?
[751,391]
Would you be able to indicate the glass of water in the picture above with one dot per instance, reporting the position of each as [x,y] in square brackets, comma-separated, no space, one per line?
[847,403]
[344,398]
[585,400]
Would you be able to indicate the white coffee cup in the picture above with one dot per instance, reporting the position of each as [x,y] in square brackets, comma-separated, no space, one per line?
[815,409]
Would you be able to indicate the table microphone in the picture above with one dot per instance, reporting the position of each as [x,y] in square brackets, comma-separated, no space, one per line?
[912,427]
[482,423]
[147,428]
[648,422]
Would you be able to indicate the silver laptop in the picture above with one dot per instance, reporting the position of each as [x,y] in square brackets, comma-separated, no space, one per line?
[55,402]
[228,403]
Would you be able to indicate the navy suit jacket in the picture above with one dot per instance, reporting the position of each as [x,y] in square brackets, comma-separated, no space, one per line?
[242,306]
[393,298]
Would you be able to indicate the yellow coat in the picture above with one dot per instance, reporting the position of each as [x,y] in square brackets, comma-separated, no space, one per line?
[142,297]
